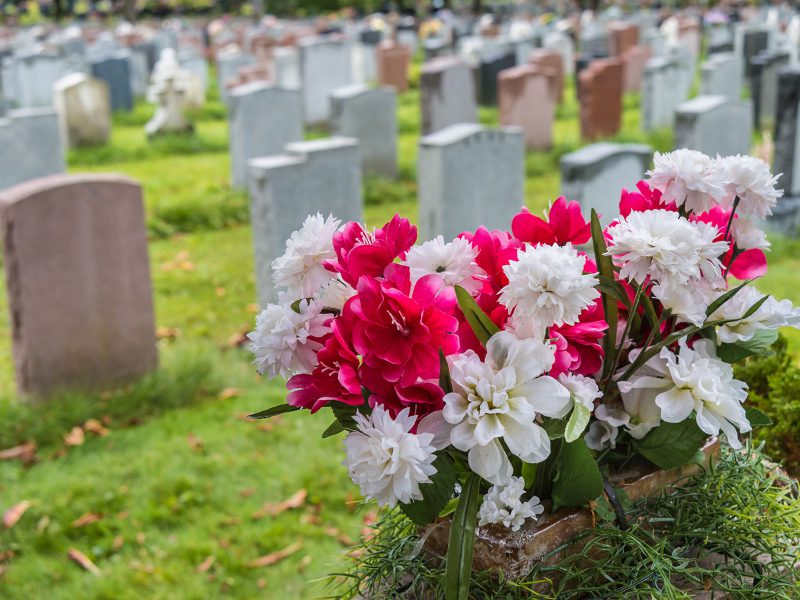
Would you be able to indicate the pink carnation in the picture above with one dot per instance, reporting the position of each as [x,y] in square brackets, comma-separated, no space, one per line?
[565,224]
[644,198]
[748,264]
[578,347]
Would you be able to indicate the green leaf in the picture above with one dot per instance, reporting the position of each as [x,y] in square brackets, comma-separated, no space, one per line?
[759,345]
[333,429]
[605,268]
[757,418]
[577,480]
[458,570]
[449,508]
[612,287]
[479,321]
[671,445]
[444,373]
[274,411]
[578,421]
[435,495]
[345,414]
[296,304]
[554,427]
[712,308]
[529,474]
[753,309]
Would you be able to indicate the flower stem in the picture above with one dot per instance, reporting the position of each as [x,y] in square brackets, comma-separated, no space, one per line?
[730,219]
[631,314]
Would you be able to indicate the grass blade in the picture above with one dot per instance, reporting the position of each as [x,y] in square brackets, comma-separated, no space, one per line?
[462,541]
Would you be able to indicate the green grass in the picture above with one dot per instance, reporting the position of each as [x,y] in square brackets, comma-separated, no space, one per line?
[145,477]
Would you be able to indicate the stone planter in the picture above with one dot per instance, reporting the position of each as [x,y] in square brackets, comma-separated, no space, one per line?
[515,553]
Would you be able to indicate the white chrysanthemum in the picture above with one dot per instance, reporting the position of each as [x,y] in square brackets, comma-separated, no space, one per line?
[335,294]
[748,236]
[604,430]
[300,270]
[750,179]
[772,314]
[666,247]
[284,340]
[547,286]
[584,390]
[695,380]
[386,460]
[454,262]
[688,178]
[687,301]
[503,504]
[498,399]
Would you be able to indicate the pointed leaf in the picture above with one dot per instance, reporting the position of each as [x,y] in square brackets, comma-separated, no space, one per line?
[435,495]
[479,321]
[333,429]
[578,479]
[757,418]
[605,267]
[577,423]
[274,411]
[444,373]
[759,345]
[671,445]
[554,427]
[461,543]
[712,308]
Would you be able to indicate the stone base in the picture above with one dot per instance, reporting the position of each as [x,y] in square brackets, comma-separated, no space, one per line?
[785,217]
[515,553]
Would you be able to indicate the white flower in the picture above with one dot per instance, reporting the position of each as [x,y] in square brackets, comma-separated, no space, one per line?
[386,460]
[747,236]
[688,178]
[454,262]
[695,379]
[300,270]
[498,399]
[665,246]
[335,294]
[772,314]
[582,389]
[750,179]
[689,301]
[284,341]
[547,286]
[503,504]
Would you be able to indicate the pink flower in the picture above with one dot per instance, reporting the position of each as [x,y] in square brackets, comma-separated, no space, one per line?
[495,250]
[421,397]
[397,332]
[334,379]
[578,347]
[565,224]
[359,252]
[643,199]
[748,264]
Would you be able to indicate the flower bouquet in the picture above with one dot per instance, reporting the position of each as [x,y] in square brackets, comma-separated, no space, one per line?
[494,375]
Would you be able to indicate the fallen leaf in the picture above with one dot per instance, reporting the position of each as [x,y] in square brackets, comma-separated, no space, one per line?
[195,442]
[75,437]
[275,557]
[220,291]
[167,333]
[43,524]
[239,338]
[83,561]
[261,583]
[253,308]
[331,531]
[247,492]
[272,510]
[229,393]
[231,522]
[118,542]
[204,566]
[186,265]
[140,537]
[86,519]
[346,540]
[121,516]
[304,563]
[311,519]
[14,514]
[7,555]
[25,452]
[94,426]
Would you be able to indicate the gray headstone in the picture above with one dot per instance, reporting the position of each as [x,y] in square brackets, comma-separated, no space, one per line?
[470,176]
[560,42]
[324,66]
[140,72]
[314,176]
[662,92]
[83,105]
[370,116]
[78,279]
[262,120]
[595,174]
[722,75]
[714,125]
[286,62]
[447,94]
[748,42]
[29,79]
[490,68]
[764,84]
[228,65]
[787,131]
[30,145]
[116,72]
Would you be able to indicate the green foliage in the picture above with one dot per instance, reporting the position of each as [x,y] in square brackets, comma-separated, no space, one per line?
[482,326]
[758,345]
[740,508]
[435,495]
[458,568]
[577,480]
[774,383]
[671,444]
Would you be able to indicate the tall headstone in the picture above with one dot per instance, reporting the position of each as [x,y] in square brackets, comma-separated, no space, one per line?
[560,42]
[262,119]
[662,91]
[393,61]
[787,131]
[313,176]
[78,279]
[286,63]
[634,61]
[601,98]
[447,94]
[595,174]
[28,79]
[370,116]
[550,59]
[622,37]
[764,84]
[714,125]
[30,145]
[116,72]
[324,66]
[83,105]
[470,176]
[490,68]
[749,43]
[526,101]
[722,75]
[229,61]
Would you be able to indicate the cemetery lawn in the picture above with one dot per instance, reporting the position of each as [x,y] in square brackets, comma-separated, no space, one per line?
[162,491]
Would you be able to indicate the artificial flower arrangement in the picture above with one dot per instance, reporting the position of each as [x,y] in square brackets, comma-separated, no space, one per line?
[485,375]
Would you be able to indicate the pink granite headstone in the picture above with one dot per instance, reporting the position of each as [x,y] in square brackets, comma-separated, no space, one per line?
[634,61]
[78,277]
[601,98]
[393,61]
[525,99]
[552,60]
